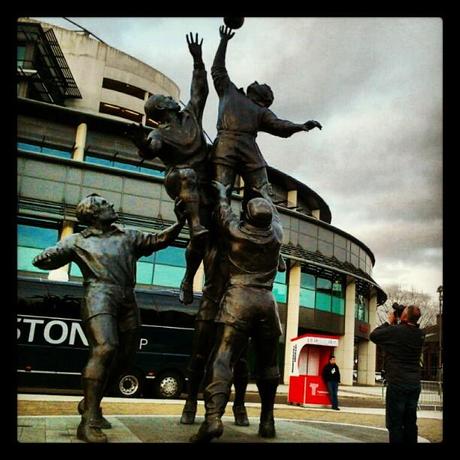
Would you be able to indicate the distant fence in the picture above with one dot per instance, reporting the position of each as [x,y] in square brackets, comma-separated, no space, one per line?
[431,396]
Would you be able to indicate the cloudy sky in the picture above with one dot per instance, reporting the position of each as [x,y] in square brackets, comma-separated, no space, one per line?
[375,84]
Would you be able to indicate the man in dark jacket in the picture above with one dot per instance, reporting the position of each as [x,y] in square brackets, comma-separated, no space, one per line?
[331,375]
[402,344]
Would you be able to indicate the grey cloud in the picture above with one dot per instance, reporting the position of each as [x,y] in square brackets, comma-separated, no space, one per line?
[376,86]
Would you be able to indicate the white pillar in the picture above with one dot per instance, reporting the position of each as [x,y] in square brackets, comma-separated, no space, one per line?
[144,117]
[367,349]
[198,279]
[241,186]
[292,316]
[344,353]
[62,273]
[80,142]
[315,213]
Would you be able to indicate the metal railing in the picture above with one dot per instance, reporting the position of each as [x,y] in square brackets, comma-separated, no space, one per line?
[431,396]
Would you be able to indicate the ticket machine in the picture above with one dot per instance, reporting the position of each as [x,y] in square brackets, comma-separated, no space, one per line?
[309,354]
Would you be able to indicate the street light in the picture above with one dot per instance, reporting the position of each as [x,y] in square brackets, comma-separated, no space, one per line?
[440,292]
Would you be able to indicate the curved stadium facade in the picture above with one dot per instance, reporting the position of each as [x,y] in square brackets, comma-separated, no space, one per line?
[76,96]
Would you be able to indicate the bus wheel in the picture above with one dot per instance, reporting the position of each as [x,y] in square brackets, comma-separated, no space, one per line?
[129,385]
[168,385]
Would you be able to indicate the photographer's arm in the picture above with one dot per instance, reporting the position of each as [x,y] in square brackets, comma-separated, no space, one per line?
[382,334]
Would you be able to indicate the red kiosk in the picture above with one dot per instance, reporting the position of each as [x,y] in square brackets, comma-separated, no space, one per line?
[309,354]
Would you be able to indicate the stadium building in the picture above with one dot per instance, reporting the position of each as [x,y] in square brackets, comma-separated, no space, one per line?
[76,97]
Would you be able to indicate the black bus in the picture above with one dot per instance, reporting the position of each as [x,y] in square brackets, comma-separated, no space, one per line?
[53,349]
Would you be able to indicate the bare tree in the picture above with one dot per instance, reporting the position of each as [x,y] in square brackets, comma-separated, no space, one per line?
[405,297]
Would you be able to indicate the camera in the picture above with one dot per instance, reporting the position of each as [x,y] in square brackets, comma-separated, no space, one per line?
[398,309]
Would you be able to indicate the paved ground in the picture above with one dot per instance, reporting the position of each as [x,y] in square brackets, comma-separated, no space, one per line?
[53,419]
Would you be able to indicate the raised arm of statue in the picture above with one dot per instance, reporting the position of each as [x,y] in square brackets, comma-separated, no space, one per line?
[218,70]
[146,243]
[199,88]
[226,218]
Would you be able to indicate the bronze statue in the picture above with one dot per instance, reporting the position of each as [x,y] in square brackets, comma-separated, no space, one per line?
[106,254]
[247,309]
[215,268]
[178,140]
[241,116]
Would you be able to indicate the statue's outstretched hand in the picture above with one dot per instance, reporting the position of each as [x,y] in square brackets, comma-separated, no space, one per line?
[226,33]
[309,125]
[193,45]
[43,257]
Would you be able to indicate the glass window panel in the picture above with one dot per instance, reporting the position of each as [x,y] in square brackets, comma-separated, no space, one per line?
[307,281]
[323,301]
[150,258]
[46,150]
[325,248]
[21,54]
[337,288]
[144,272]
[280,292]
[361,308]
[98,160]
[75,270]
[338,305]
[354,260]
[323,284]
[171,256]
[355,249]
[166,275]
[340,253]
[340,241]
[36,237]
[25,257]
[325,235]
[307,298]
[29,147]
[152,172]
[280,277]
[127,166]
[56,152]
[308,229]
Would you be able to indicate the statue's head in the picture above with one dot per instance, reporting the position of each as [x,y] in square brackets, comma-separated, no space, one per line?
[95,208]
[258,213]
[261,94]
[158,104]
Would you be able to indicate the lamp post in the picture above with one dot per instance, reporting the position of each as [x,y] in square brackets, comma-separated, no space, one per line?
[440,292]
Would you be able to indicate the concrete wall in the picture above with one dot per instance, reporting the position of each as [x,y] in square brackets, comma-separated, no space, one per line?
[90,61]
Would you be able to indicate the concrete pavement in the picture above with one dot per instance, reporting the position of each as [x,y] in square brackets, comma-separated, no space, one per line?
[157,421]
